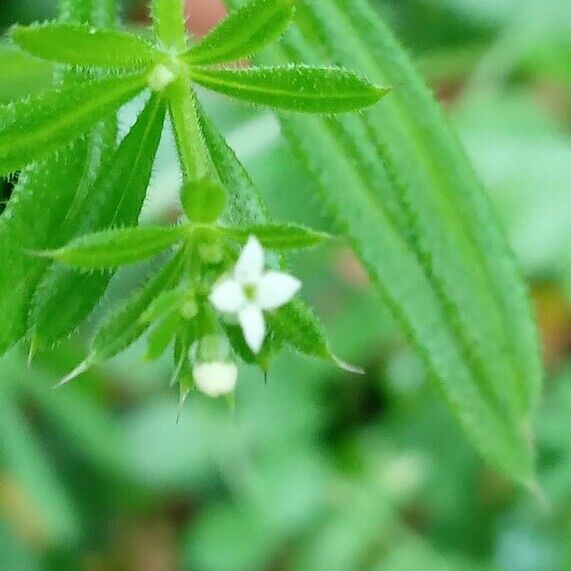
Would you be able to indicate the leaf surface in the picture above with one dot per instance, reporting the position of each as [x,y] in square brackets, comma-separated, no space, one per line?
[244,32]
[295,88]
[32,128]
[279,236]
[401,188]
[84,45]
[113,248]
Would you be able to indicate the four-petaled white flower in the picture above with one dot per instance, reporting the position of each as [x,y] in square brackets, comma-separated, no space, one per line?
[250,291]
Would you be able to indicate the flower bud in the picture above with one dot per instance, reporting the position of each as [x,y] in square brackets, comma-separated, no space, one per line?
[215,379]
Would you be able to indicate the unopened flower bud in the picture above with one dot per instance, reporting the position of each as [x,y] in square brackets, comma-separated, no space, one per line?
[215,379]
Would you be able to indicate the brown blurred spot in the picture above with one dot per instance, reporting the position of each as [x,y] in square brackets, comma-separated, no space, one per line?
[554,317]
[348,267]
[203,15]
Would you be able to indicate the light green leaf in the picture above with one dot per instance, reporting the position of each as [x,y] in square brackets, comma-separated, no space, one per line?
[32,128]
[296,88]
[279,236]
[168,20]
[66,297]
[125,326]
[84,45]
[113,248]
[244,32]
[401,187]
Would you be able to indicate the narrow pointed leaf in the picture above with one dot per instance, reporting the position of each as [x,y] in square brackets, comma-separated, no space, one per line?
[41,212]
[113,248]
[279,236]
[125,326]
[66,297]
[84,45]
[296,88]
[161,336]
[32,128]
[244,32]
[397,181]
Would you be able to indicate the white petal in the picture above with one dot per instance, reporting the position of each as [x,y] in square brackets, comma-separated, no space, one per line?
[253,326]
[215,379]
[250,265]
[227,296]
[276,289]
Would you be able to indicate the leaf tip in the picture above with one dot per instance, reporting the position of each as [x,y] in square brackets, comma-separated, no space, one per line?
[78,371]
[347,367]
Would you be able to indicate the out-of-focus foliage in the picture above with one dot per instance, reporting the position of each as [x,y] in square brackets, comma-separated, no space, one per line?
[318,470]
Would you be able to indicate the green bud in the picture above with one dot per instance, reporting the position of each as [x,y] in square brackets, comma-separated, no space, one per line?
[203,200]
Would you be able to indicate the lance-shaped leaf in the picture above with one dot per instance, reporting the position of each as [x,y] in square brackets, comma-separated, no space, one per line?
[125,326]
[114,248]
[244,32]
[66,297]
[32,128]
[399,184]
[84,45]
[301,88]
[279,236]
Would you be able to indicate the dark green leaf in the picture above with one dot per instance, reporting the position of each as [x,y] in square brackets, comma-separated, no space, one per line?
[279,236]
[33,128]
[113,248]
[84,45]
[301,88]
[66,297]
[244,32]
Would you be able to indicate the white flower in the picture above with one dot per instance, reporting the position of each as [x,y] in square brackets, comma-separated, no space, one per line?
[215,379]
[250,291]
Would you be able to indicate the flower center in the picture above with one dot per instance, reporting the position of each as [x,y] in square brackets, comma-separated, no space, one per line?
[250,291]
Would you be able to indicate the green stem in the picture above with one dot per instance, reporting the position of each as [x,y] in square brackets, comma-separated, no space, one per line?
[194,157]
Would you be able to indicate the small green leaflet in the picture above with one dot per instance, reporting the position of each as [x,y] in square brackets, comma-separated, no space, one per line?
[244,32]
[400,186]
[66,297]
[278,236]
[113,248]
[32,128]
[300,88]
[203,200]
[161,336]
[84,45]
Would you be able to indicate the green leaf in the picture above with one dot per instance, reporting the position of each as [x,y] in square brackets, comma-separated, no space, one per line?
[66,297]
[168,21]
[113,248]
[28,223]
[84,45]
[99,12]
[296,88]
[160,338]
[279,236]
[203,200]
[32,128]
[398,183]
[244,32]
[125,326]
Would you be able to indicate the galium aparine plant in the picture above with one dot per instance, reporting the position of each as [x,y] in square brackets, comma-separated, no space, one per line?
[221,290]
